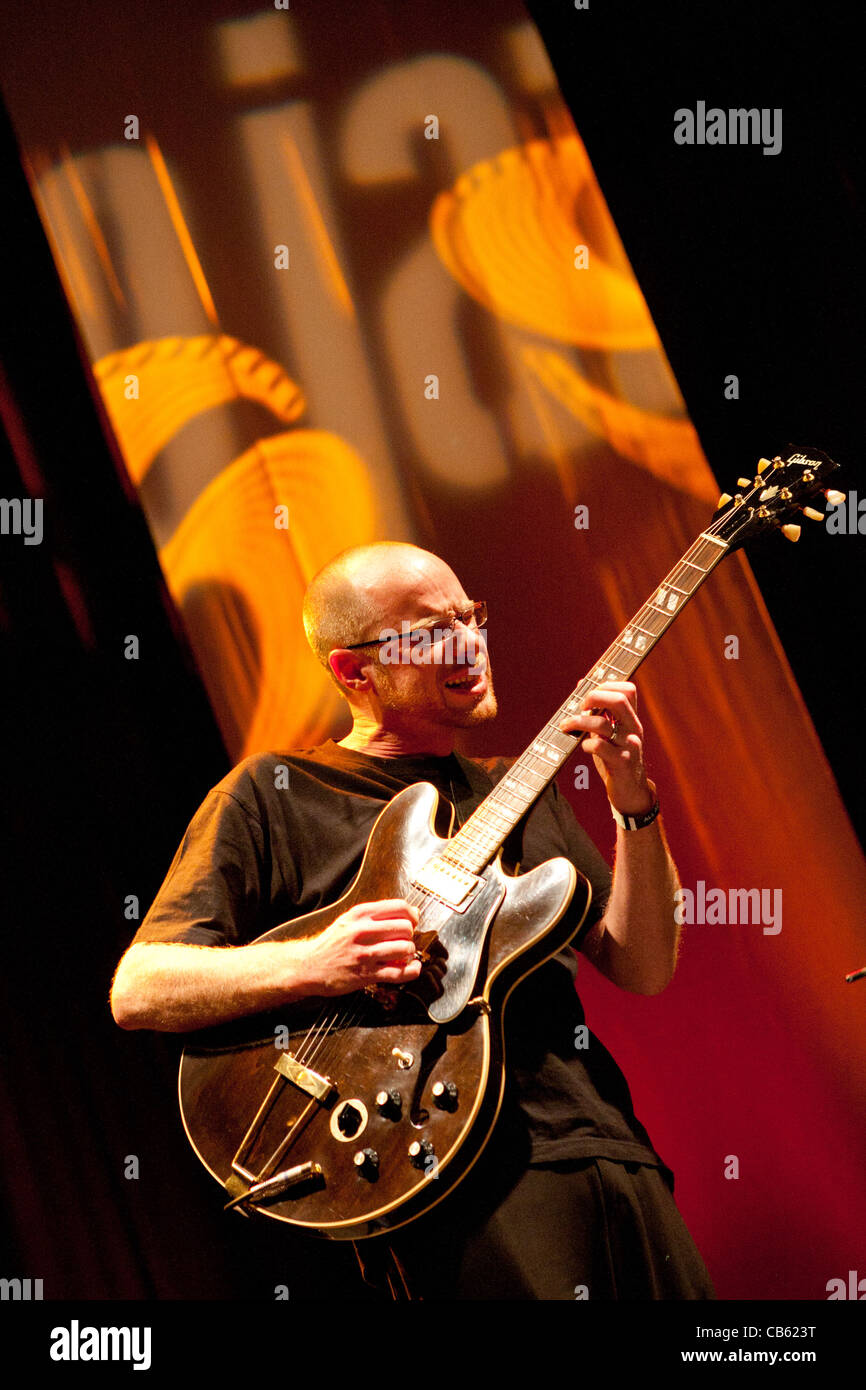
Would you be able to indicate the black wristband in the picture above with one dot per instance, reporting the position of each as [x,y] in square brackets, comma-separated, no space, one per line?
[636,822]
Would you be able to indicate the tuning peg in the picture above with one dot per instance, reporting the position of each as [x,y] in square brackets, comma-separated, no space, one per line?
[725,499]
[764,464]
[791,532]
[744,482]
[834,498]
[812,514]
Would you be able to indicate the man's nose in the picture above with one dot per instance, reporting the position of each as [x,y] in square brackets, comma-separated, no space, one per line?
[467,642]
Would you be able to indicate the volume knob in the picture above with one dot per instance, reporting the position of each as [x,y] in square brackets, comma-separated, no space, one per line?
[389,1103]
[367,1163]
[420,1152]
[445,1095]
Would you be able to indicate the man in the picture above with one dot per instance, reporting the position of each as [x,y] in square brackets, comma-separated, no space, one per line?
[569,1199]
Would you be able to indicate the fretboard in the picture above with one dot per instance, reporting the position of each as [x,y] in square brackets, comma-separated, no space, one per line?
[486,829]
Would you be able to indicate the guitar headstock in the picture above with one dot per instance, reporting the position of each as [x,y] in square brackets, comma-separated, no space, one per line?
[775,497]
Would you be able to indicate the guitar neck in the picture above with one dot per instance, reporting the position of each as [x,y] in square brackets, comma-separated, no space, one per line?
[476,843]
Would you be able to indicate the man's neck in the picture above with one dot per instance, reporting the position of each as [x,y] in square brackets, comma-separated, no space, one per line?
[368,736]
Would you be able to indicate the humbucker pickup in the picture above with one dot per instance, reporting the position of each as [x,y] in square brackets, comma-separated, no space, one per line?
[450,884]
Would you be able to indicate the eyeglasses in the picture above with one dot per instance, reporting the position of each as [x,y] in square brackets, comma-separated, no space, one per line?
[475,616]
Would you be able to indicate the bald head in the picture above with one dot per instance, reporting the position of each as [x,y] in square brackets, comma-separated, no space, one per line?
[363,590]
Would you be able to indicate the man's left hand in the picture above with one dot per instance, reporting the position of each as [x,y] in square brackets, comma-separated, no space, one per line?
[609,715]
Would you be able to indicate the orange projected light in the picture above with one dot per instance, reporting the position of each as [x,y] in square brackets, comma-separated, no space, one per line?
[238,566]
[182,232]
[508,232]
[318,230]
[179,378]
[668,448]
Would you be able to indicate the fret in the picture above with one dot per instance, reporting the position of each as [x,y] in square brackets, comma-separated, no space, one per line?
[474,842]
[533,772]
[665,599]
[487,811]
[511,792]
[519,790]
[548,753]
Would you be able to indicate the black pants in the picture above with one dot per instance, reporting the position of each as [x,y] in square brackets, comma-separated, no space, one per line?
[588,1229]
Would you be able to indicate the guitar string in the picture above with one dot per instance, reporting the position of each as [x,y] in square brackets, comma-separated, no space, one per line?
[416,898]
[322,1029]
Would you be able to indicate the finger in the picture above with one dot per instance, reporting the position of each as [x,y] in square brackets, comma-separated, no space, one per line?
[619,699]
[389,953]
[398,974]
[383,931]
[387,907]
[600,719]
[624,688]
[599,723]
[612,753]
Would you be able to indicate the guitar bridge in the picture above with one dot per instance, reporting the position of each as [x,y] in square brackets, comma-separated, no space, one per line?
[319,1087]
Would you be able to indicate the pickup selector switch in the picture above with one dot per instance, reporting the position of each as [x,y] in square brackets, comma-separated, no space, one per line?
[445,1095]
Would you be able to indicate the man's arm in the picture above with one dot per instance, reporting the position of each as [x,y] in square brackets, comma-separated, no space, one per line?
[176,988]
[635,943]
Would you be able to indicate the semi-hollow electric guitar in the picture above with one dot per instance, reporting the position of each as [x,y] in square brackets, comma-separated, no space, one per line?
[350,1116]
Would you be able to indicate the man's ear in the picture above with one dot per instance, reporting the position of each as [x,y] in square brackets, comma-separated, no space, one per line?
[348,668]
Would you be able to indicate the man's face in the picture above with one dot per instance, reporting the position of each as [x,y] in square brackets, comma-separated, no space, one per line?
[445,681]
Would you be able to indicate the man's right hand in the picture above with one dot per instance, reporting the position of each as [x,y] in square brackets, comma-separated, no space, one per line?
[371,943]
[177,988]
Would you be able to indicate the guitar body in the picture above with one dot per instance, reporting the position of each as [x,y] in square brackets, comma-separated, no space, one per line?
[295,1091]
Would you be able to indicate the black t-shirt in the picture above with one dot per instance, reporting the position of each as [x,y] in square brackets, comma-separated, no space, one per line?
[284,834]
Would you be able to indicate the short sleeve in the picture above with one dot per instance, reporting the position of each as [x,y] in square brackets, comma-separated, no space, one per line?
[211,895]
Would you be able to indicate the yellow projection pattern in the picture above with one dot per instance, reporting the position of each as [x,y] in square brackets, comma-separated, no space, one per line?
[508,232]
[239,561]
[668,448]
[239,573]
[179,378]
[528,235]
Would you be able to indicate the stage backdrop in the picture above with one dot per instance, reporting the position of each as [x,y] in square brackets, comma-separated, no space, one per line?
[345,273]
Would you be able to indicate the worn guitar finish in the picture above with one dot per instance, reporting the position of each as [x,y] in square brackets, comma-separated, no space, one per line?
[350,1116]
[387,1043]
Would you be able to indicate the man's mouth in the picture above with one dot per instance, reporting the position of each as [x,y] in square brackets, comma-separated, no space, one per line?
[469,682]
